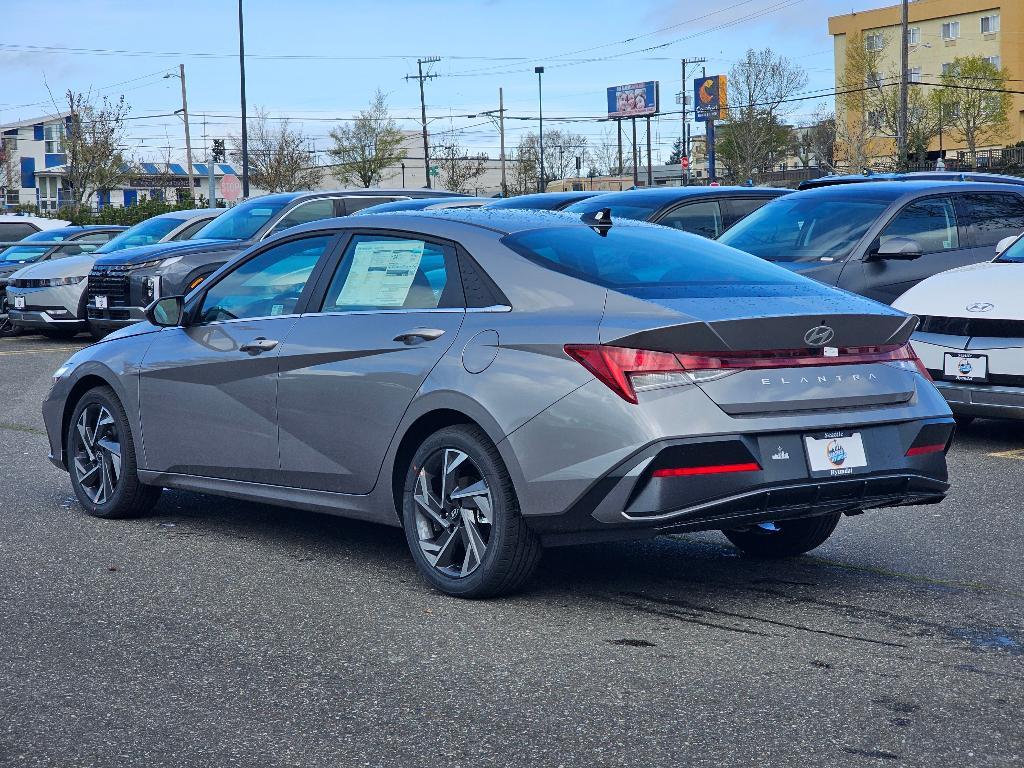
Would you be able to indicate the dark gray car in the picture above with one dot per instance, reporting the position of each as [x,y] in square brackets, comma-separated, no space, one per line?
[122,284]
[880,238]
[498,381]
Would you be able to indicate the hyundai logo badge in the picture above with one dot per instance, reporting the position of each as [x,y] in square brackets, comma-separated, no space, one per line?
[980,306]
[819,336]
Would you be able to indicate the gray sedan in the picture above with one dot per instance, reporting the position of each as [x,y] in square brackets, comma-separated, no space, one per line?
[499,381]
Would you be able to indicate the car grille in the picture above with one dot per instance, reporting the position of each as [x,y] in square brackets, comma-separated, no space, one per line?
[109,282]
[972,326]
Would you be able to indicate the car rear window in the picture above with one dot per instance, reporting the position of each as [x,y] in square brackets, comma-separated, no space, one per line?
[651,261]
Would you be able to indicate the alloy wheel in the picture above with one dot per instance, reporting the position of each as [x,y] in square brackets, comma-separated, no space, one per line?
[97,458]
[453,512]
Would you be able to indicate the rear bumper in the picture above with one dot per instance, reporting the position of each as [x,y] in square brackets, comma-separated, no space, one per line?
[982,400]
[630,502]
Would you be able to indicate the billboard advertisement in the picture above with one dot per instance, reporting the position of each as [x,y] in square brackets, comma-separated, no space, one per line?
[709,102]
[633,100]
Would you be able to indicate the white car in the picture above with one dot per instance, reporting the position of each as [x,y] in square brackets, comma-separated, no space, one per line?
[15,226]
[971,336]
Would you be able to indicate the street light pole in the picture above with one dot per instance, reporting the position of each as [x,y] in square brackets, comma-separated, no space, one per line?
[245,124]
[901,139]
[540,103]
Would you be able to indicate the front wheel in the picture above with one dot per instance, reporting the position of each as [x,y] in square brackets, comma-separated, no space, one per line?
[101,459]
[462,519]
[785,538]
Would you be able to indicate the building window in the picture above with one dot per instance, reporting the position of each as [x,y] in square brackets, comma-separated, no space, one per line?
[48,193]
[951,30]
[13,197]
[990,24]
[874,41]
[914,36]
[914,74]
[54,138]
[874,79]
[995,61]
[947,67]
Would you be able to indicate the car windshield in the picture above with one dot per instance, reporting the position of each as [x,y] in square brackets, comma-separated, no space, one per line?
[637,210]
[23,254]
[651,262]
[243,221]
[144,233]
[812,228]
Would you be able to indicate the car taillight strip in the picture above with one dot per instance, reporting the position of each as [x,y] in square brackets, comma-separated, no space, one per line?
[709,469]
[918,450]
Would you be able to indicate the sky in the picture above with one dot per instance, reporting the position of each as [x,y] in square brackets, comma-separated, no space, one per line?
[318,62]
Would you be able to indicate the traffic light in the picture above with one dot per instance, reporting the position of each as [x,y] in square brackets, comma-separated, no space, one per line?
[218,151]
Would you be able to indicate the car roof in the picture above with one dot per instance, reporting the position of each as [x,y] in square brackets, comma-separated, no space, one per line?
[367,192]
[190,213]
[77,230]
[893,190]
[550,198]
[667,195]
[948,176]
[40,221]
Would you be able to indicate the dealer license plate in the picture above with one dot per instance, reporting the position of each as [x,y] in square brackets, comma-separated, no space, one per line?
[958,366]
[835,453]
[101,302]
[19,302]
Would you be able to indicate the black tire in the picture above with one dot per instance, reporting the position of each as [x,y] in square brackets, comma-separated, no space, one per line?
[512,550]
[98,334]
[60,333]
[126,497]
[793,537]
[963,421]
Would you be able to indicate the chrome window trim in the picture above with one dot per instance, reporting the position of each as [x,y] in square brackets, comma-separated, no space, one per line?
[410,311]
[236,320]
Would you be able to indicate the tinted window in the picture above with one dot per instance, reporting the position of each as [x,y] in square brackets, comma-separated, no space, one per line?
[741,207]
[389,273]
[191,229]
[144,233]
[636,210]
[652,260]
[244,220]
[703,218]
[811,228]
[266,285]
[85,244]
[12,232]
[992,217]
[931,222]
[303,213]
[353,204]
[21,254]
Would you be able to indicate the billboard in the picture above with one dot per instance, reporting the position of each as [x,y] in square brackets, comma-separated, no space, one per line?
[633,100]
[709,102]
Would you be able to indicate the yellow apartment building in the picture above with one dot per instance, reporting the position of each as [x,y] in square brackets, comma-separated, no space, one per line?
[938,32]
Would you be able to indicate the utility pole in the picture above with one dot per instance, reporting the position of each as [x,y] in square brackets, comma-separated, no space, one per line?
[901,130]
[636,169]
[683,99]
[211,182]
[540,103]
[501,140]
[423,109]
[618,131]
[245,122]
[188,137]
[650,167]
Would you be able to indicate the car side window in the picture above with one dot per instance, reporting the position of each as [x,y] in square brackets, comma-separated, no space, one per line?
[268,284]
[313,210]
[741,207]
[353,204]
[991,217]
[191,229]
[391,273]
[84,244]
[931,222]
[703,218]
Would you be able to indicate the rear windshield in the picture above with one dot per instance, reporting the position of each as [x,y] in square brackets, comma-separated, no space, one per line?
[638,209]
[811,228]
[144,233]
[243,221]
[651,262]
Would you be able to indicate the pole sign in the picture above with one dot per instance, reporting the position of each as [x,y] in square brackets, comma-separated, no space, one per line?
[633,100]
[709,98]
[684,162]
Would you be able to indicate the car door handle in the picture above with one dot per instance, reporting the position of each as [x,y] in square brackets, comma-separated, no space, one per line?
[417,335]
[258,346]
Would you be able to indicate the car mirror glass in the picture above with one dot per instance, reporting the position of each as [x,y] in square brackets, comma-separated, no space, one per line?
[167,312]
[899,248]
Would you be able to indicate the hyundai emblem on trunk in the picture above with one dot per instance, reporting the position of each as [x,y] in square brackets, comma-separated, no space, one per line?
[980,306]
[819,336]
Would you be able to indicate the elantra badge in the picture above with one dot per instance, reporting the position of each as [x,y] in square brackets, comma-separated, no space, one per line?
[819,336]
[836,453]
[980,306]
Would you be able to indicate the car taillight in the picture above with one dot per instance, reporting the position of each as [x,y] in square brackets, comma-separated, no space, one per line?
[628,371]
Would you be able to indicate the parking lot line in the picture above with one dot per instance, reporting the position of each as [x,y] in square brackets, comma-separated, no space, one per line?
[1017,453]
[37,351]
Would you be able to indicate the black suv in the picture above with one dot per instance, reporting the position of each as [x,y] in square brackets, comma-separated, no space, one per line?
[881,238]
[123,284]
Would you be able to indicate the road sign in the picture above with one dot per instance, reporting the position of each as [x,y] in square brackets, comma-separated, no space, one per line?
[684,162]
[435,171]
[230,187]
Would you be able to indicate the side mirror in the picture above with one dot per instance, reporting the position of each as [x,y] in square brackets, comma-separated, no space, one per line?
[899,248]
[1005,243]
[167,312]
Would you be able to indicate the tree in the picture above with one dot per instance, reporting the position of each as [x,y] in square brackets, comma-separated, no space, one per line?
[93,138]
[754,134]
[972,101]
[853,100]
[604,154]
[822,135]
[560,153]
[457,167]
[10,173]
[367,146]
[678,150]
[280,157]
[526,166]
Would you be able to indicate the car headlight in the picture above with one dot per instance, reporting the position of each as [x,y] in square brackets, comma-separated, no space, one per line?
[155,263]
[151,288]
[53,282]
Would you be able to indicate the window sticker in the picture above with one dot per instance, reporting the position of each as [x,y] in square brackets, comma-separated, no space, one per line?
[382,273]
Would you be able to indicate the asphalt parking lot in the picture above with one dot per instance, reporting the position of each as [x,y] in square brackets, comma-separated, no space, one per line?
[221,633]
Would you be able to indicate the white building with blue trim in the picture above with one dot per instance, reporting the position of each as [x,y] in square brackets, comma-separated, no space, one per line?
[33,167]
